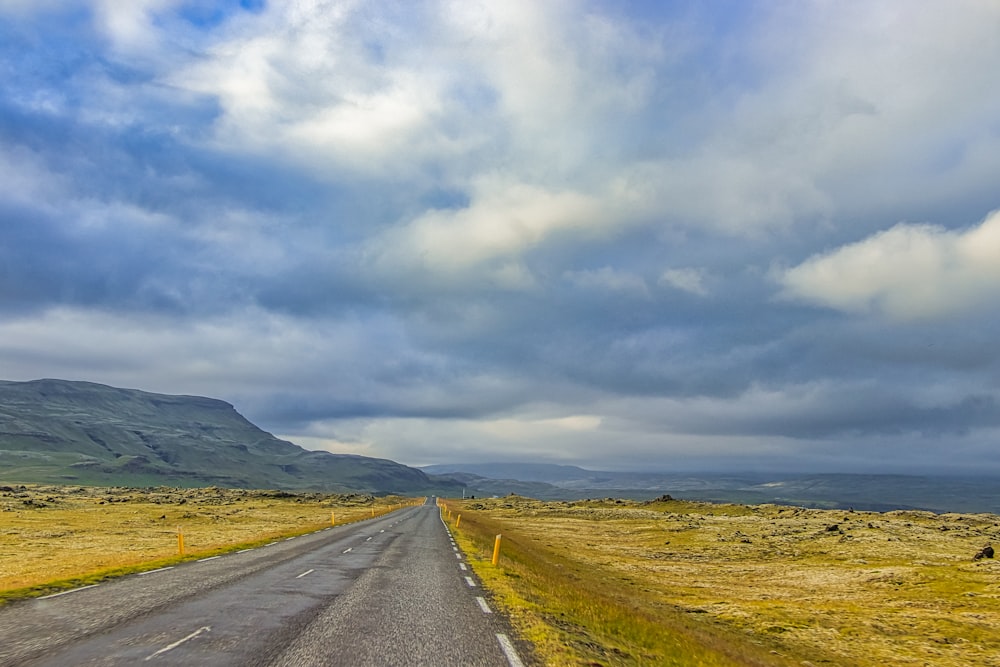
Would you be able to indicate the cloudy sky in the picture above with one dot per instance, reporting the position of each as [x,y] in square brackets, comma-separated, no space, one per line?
[635,235]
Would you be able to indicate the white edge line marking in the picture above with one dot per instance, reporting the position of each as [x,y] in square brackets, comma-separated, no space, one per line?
[202,560]
[55,595]
[290,538]
[508,650]
[305,573]
[161,569]
[482,605]
[469,581]
[177,643]
[243,551]
[461,566]
[458,556]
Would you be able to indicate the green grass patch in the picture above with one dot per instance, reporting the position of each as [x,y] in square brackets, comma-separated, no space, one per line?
[575,615]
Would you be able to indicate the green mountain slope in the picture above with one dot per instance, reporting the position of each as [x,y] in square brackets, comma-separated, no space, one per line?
[58,431]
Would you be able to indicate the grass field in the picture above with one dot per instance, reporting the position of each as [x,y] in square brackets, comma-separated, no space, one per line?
[592,582]
[679,583]
[54,537]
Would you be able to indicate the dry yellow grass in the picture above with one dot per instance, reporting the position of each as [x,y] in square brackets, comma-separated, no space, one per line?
[821,586]
[51,533]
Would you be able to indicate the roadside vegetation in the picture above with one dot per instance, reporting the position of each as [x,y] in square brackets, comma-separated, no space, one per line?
[54,537]
[669,582]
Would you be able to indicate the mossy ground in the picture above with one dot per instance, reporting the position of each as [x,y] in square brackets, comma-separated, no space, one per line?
[53,537]
[750,584]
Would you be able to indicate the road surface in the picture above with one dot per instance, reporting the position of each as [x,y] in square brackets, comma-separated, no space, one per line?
[394,590]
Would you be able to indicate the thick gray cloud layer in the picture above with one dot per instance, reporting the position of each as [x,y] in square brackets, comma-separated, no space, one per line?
[691,235]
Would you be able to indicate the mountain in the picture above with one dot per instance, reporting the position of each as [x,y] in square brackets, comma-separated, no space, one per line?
[525,472]
[63,432]
[830,491]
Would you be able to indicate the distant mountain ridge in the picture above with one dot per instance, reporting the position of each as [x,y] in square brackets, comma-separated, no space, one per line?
[72,432]
[829,491]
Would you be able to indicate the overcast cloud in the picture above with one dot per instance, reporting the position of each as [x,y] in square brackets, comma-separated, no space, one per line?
[672,236]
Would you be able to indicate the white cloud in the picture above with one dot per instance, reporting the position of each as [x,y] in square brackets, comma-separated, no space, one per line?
[874,104]
[296,81]
[503,221]
[418,441]
[907,272]
[529,87]
[686,280]
[131,26]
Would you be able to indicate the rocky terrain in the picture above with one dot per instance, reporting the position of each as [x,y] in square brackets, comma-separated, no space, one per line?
[829,587]
[50,532]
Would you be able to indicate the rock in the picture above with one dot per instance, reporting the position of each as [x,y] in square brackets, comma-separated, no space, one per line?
[985,552]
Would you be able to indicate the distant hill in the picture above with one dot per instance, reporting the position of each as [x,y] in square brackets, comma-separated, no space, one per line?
[830,491]
[63,432]
[525,472]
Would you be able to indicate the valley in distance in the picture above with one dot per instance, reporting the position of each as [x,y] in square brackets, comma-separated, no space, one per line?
[70,432]
[875,492]
[598,568]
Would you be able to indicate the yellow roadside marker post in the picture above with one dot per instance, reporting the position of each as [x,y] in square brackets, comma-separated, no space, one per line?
[180,542]
[458,520]
[333,519]
[496,551]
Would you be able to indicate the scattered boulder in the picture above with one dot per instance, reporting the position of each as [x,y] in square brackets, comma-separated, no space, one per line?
[985,552]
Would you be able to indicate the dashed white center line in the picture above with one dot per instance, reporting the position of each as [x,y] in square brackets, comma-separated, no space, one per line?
[509,651]
[55,595]
[482,605]
[177,643]
[305,573]
[161,569]
[348,549]
[368,539]
[472,584]
[202,560]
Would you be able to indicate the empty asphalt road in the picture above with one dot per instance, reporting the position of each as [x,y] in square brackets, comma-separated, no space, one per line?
[388,591]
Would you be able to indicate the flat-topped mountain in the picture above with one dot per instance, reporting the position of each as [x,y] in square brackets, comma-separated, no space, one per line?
[65,432]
